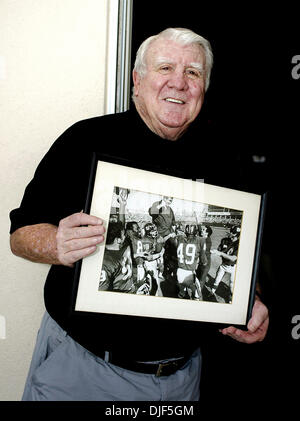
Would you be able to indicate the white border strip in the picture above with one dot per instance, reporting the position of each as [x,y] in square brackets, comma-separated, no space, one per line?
[2,327]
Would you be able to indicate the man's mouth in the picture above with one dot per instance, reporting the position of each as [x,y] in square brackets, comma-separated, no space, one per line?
[174,100]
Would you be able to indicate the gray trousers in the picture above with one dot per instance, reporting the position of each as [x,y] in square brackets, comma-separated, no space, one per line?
[62,370]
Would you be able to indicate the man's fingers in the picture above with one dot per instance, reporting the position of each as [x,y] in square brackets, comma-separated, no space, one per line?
[84,232]
[71,257]
[259,316]
[82,243]
[247,336]
[71,227]
[74,250]
[78,219]
[77,237]
[229,330]
[257,326]
[80,254]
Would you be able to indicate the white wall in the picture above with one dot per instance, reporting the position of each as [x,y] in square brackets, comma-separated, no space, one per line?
[52,73]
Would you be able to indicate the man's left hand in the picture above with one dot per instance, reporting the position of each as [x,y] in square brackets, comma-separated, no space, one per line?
[257,326]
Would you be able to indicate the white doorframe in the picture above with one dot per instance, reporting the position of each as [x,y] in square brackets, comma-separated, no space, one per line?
[118,56]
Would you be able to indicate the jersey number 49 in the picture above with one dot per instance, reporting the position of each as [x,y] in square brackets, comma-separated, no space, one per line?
[186,255]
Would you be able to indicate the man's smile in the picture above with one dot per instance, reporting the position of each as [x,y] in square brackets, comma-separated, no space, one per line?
[174,100]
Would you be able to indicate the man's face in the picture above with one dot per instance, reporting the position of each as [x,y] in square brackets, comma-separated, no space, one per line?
[168,200]
[135,228]
[204,233]
[170,95]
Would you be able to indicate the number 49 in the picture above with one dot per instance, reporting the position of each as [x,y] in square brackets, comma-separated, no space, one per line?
[189,256]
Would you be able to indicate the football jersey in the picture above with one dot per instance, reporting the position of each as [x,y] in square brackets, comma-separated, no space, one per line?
[228,247]
[190,250]
[114,270]
[147,245]
[143,245]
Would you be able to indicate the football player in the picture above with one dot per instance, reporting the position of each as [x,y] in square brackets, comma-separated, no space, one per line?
[148,252]
[163,217]
[116,273]
[190,251]
[205,231]
[227,250]
[132,231]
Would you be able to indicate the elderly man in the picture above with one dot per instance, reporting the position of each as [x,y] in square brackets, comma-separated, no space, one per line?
[101,356]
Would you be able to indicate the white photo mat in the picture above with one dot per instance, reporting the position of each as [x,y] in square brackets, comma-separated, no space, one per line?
[90,299]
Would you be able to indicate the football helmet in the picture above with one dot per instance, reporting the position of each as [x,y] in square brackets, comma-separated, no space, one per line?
[179,228]
[150,230]
[191,230]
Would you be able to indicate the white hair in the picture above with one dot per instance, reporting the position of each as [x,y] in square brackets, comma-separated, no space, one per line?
[182,36]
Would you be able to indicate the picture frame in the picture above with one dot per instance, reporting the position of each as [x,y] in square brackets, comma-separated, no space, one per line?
[166,275]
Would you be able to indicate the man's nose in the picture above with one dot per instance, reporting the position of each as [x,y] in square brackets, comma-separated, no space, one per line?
[177,80]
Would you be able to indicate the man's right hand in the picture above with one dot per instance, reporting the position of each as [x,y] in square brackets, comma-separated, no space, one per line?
[77,237]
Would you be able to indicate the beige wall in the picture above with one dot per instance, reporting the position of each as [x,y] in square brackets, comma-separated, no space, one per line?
[52,73]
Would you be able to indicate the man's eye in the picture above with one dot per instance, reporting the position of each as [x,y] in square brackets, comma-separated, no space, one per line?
[165,68]
[193,73]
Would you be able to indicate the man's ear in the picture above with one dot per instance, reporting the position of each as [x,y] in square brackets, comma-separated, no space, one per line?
[136,82]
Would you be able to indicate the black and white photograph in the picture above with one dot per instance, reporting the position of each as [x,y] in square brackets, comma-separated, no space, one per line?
[174,248]
[168,247]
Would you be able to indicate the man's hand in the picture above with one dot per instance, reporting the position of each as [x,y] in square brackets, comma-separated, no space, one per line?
[257,325]
[123,196]
[77,237]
